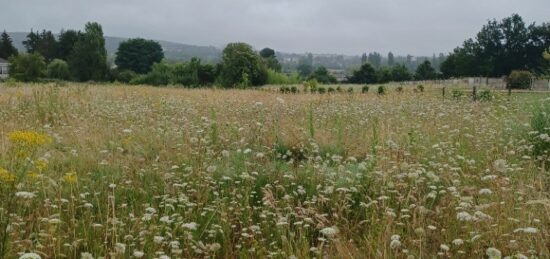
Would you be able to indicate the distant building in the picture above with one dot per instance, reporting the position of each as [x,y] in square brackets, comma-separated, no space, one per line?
[4,69]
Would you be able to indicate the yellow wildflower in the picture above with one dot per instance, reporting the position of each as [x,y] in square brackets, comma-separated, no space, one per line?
[41,164]
[29,138]
[6,177]
[70,177]
[32,175]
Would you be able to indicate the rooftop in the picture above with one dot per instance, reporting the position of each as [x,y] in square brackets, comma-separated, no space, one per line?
[3,60]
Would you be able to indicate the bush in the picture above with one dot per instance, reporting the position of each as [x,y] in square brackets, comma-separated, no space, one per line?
[321,90]
[365,89]
[284,90]
[485,95]
[420,88]
[27,67]
[540,122]
[339,89]
[293,89]
[457,93]
[519,79]
[125,76]
[381,90]
[350,90]
[58,69]
[276,78]
[399,89]
[159,76]
[331,90]
[311,85]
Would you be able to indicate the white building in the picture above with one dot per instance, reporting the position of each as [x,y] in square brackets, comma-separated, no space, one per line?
[4,69]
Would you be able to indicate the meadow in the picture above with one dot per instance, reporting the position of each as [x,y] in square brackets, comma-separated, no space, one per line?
[112,171]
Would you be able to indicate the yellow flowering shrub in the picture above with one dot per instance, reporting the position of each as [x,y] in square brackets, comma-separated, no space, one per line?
[6,176]
[26,142]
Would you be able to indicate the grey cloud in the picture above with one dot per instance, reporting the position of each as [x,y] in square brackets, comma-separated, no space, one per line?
[420,27]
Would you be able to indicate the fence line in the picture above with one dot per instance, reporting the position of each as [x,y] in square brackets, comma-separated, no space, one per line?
[494,83]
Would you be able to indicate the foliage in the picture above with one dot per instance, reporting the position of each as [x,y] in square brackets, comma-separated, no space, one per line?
[519,79]
[27,67]
[365,89]
[485,95]
[88,60]
[242,66]
[420,88]
[161,74]
[499,48]
[58,69]
[540,123]
[43,43]
[322,76]
[365,75]
[400,73]
[381,90]
[384,75]
[268,56]
[425,71]
[138,55]
[399,89]
[66,42]
[456,93]
[305,66]
[123,76]
[311,85]
[277,78]
[6,46]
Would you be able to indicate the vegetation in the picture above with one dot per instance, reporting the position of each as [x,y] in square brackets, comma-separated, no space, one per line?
[58,69]
[242,67]
[138,55]
[132,171]
[322,76]
[425,72]
[499,48]
[520,79]
[6,46]
[88,60]
[27,67]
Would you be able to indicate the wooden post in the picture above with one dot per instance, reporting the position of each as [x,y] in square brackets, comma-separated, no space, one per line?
[474,94]
[443,92]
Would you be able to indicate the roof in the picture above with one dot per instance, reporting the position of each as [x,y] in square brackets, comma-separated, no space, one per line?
[3,60]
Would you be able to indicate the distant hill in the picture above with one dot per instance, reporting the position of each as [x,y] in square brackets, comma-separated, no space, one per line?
[172,51]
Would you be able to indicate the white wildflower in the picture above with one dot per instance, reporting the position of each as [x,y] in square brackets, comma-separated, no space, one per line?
[30,256]
[493,253]
[329,231]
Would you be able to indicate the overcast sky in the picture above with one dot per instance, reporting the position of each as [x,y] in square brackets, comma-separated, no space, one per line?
[418,27]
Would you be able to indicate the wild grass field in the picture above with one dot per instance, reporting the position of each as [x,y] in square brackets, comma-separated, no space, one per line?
[141,172]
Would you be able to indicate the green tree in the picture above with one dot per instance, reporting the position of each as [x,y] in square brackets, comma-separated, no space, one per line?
[88,60]
[425,71]
[66,43]
[375,59]
[400,73]
[138,55]
[322,76]
[161,74]
[268,55]
[240,65]
[58,69]
[499,48]
[384,75]
[391,59]
[27,67]
[43,43]
[364,75]
[6,46]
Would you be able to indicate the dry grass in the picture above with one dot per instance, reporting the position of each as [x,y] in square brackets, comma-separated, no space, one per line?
[254,174]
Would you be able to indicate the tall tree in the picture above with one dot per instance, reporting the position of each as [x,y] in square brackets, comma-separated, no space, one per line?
[138,55]
[375,59]
[268,55]
[6,46]
[43,43]
[425,71]
[242,66]
[66,42]
[364,75]
[400,73]
[364,58]
[88,60]
[391,59]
